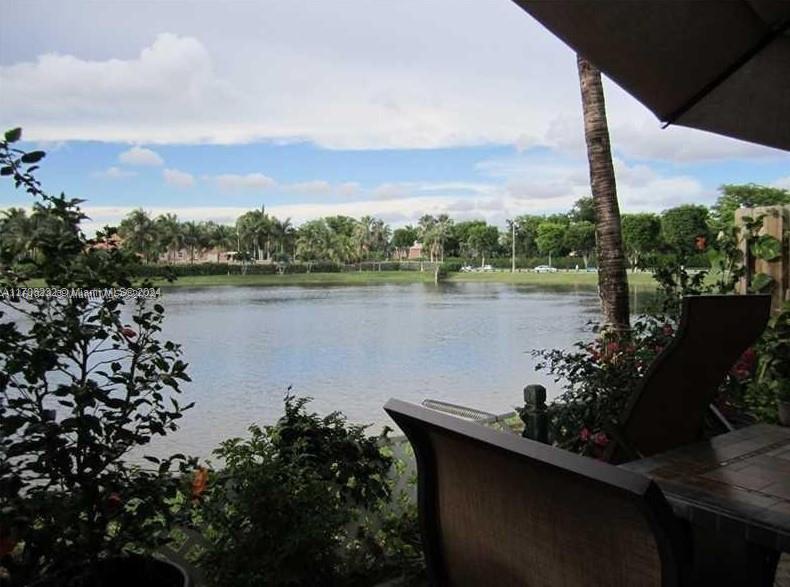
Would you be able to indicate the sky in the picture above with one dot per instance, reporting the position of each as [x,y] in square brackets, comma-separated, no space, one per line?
[394,108]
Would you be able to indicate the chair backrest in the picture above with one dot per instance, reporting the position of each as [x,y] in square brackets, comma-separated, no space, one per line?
[498,509]
[668,409]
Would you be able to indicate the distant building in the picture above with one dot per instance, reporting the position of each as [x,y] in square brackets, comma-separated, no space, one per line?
[415,251]
[182,256]
[113,242]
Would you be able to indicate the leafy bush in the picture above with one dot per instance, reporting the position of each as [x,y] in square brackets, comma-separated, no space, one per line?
[599,378]
[280,510]
[83,381]
[767,374]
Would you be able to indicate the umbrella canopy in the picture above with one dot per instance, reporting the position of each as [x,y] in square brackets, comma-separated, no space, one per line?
[717,66]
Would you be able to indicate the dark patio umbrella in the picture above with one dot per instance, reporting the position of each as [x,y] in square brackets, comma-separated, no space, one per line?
[713,65]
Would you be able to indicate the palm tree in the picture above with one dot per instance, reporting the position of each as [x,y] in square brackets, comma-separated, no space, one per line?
[255,230]
[612,277]
[16,233]
[222,237]
[442,230]
[195,238]
[427,233]
[169,234]
[380,234]
[139,234]
[363,233]
[312,240]
[281,231]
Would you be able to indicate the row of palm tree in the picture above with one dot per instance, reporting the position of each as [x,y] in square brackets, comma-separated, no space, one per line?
[256,236]
[165,236]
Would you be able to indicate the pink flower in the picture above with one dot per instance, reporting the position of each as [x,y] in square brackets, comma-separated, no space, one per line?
[113,501]
[128,332]
[584,435]
[600,439]
[744,367]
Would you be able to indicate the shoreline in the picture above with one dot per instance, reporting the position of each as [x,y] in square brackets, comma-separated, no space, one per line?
[559,279]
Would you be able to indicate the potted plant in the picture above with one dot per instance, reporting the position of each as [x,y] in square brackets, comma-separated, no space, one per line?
[85,380]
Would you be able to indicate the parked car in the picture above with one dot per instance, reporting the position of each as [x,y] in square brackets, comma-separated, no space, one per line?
[545,269]
[486,268]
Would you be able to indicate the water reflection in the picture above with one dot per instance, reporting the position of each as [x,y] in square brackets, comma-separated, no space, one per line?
[351,348]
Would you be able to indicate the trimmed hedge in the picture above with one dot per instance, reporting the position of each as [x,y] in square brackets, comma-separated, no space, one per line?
[450,265]
[186,270]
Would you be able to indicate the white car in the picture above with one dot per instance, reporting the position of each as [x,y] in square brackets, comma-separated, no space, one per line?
[545,269]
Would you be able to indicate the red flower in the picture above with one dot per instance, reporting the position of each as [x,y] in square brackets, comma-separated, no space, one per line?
[7,543]
[584,435]
[600,439]
[700,242]
[113,501]
[744,366]
[613,347]
[668,330]
[128,332]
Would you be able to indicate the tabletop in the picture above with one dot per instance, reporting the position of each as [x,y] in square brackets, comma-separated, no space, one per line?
[737,482]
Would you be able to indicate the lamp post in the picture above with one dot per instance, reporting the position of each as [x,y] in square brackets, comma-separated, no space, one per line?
[512,246]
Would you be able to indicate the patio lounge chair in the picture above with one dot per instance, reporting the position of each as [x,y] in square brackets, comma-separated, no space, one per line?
[497,509]
[668,409]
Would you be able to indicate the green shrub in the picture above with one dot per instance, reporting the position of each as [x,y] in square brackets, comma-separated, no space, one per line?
[83,381]
[766,370]
[452,266]
[598,379]
[280,510]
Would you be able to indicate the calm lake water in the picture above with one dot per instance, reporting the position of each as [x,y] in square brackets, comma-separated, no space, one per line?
[352,348]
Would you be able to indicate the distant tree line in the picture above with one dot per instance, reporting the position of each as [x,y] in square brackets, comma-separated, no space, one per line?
[259,236]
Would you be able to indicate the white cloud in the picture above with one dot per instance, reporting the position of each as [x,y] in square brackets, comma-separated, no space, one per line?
[115,173]
[140,156]
[250,181]
[558,181]
[317,186]
[782,182]
[348,189]
[179,179]
[370,75]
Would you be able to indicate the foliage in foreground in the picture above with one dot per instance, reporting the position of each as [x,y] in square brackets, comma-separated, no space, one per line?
[599,378]
[293,505]
[83,381]
[765,372]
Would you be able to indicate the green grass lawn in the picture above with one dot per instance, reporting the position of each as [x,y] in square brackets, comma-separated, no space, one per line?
[562,278]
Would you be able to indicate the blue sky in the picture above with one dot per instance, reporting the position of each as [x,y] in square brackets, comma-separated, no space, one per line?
[208,108]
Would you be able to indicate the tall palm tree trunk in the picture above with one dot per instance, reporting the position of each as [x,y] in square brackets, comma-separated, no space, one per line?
[612,277]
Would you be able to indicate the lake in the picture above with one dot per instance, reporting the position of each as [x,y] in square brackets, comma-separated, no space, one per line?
[352,348]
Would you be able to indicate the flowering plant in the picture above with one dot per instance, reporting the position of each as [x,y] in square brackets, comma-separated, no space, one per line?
[599,377]
[83,381]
